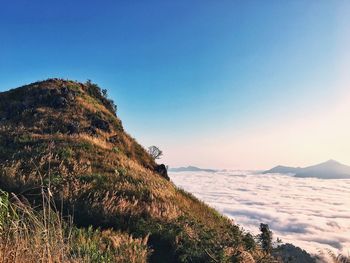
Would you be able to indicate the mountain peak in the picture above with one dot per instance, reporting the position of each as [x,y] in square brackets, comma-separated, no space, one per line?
[331,161]
[70,110]
[330,169]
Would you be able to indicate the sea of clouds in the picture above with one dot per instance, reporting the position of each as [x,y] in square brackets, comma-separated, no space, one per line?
[308,212]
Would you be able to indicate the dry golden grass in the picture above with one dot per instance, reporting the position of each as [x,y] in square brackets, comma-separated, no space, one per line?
[98,141]
[28,236]
[92,105]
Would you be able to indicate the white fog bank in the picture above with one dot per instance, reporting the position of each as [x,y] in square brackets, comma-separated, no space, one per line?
[310,213]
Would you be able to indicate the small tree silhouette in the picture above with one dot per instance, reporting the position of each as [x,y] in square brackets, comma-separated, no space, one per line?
[155,152]
[265,238]
[104,93]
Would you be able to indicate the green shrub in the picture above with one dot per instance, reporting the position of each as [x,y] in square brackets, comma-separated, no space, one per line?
[249,241]
[54,180]
[4,208]
[86,146]
[88,246]
[115,150]
[23,138]
[66,153]
[73,86]
[121,171]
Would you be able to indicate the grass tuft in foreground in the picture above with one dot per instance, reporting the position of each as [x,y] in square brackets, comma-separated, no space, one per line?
[42,235]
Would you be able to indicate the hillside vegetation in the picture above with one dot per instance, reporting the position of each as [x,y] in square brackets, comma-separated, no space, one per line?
[74,179]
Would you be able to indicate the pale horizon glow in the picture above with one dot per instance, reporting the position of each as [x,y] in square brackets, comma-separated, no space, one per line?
[303,141]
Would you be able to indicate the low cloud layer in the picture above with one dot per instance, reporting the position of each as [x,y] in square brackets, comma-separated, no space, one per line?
[308,212]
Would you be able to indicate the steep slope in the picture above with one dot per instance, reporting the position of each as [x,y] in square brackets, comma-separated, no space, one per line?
[65,136]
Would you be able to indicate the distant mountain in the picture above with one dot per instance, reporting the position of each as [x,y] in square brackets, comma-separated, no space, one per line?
[282,170]
[191,169]
[326,170]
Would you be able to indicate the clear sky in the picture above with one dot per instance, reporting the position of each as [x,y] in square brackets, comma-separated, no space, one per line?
[226,84]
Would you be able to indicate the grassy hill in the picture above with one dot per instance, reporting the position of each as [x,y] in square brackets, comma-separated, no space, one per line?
[62,145]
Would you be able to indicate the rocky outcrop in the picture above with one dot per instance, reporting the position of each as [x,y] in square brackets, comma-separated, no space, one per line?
[162,171]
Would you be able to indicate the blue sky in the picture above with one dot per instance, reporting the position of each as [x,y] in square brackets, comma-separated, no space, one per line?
[204,80]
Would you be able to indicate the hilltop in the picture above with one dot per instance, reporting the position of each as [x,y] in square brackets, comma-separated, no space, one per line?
[327,170]
[64,138]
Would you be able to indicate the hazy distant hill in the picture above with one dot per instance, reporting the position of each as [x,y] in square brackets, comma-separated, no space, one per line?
[326,170]
[282,170]
[191,169]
